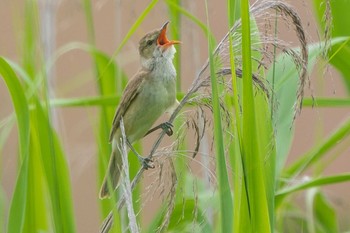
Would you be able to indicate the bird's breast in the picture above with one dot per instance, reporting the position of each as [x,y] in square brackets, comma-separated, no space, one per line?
[162,83]
[160,91]
[157,94]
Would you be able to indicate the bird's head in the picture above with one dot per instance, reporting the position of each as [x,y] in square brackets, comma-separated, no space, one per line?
[155,44]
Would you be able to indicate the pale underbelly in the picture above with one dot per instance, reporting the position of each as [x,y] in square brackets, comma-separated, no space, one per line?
[147,107]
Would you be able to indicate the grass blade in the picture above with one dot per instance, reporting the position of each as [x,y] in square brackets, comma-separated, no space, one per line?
[324,214]
[56,173]
[241,220]
[312,183]
[20,104]
[253,165]
[285,89]
[317,152]
[18,203]
[324,102]
[225,195]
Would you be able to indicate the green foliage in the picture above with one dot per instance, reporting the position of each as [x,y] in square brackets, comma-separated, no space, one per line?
[324,214]
[334,21]
[17,211]
[43,168]
[313,183]
[225,195]
[256,135]
[20,104]
[285,89]
[186,217]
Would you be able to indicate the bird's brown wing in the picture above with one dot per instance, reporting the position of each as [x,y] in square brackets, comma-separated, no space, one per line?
[130,92]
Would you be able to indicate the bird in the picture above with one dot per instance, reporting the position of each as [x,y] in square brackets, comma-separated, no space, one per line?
[148,95]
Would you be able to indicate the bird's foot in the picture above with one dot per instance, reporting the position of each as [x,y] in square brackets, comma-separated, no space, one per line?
[146,162]
[167,127]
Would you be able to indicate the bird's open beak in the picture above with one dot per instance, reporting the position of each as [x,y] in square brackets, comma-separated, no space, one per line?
[163,40]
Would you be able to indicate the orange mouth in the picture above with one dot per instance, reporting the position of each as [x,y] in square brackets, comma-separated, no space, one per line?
[163,40]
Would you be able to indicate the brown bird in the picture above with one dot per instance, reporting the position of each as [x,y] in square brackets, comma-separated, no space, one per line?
[149,94]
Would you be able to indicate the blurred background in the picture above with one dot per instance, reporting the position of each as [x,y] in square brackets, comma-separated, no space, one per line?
[72,76]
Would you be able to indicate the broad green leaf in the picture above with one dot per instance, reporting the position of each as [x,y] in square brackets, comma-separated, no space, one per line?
[286,85]
[258,181]
[340,59]
[325,216]
[38,213]
[20,105]
[338,25]
[18,203]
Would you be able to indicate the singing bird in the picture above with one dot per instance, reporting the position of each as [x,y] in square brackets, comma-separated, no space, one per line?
[148,95]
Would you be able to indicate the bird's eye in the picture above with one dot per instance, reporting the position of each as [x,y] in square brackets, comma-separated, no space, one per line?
[149,42]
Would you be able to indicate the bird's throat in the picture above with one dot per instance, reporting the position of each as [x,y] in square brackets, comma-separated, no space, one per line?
[164,68]
[161,64]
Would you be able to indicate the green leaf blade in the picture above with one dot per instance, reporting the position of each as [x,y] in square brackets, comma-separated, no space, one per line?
[18,204]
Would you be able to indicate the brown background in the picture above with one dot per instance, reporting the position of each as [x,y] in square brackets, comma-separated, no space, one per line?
[74,78]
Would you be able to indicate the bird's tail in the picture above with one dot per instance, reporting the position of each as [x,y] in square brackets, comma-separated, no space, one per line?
[112,177]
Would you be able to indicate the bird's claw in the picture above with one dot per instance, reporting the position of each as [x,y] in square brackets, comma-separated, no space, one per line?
[147,163]
[167,127]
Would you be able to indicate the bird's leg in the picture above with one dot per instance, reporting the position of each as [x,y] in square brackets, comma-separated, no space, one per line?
[145,162]
[165,126]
